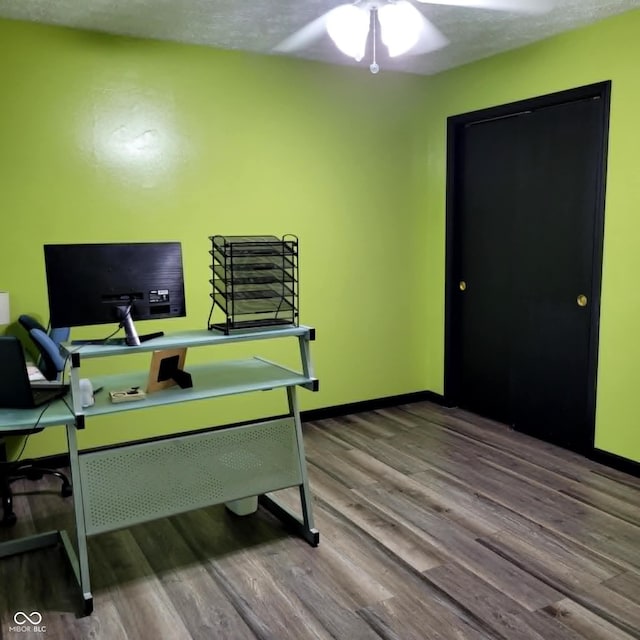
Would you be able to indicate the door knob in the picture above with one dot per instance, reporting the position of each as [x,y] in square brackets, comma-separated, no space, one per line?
[462,285]
[582,300]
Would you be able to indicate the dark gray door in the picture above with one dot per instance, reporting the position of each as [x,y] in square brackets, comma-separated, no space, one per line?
[524,270]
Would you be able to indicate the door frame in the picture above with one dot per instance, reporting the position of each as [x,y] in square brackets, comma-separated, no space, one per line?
[455,127]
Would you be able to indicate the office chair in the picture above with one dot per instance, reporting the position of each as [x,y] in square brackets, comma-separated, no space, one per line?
[51,364]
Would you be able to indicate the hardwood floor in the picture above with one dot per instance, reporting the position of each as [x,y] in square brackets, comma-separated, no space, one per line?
[434,524]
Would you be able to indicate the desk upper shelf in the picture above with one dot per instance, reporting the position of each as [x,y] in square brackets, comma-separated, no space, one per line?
[194,338]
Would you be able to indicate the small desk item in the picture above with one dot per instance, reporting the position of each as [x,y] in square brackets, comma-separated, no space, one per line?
[128,395]
[35,375]
[16,392]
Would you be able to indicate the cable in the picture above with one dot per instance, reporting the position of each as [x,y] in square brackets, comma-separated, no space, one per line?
[83,343]
[68,407]
[33,430]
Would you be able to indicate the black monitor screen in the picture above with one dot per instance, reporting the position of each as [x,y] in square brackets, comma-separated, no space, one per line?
[91,284]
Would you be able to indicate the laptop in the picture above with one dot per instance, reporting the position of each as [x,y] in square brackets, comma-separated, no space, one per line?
[16,392]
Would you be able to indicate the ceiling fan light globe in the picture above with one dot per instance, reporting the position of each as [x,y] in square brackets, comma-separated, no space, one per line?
[348,27]
[400,26]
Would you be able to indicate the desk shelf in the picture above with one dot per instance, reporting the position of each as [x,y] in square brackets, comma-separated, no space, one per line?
[194,338]
[55,414]
[213,380]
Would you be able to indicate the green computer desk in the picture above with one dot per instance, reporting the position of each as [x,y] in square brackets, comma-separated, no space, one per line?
[238,465]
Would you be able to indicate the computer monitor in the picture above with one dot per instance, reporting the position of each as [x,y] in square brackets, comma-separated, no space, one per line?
[92,284]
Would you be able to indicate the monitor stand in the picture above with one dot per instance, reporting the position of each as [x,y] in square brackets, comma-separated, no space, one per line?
[132,338]
[126,321]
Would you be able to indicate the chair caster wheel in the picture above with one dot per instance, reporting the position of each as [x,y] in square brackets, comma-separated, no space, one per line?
[66,490]
[8,520]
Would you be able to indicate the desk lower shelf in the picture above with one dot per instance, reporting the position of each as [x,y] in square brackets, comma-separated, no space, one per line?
[209,381]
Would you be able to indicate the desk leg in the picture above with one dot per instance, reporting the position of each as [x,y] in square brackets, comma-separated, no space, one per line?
[82,568]
[305,493]
[305,357]
[304,527]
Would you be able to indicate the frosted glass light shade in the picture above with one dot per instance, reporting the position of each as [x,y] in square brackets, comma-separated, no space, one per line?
[400,26]
[5,311]
[348,27]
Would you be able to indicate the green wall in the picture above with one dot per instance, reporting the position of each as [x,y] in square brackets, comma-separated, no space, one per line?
[115,139]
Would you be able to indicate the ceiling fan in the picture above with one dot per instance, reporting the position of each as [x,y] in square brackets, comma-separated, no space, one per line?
[403,29]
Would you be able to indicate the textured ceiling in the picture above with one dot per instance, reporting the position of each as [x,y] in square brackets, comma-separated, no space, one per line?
[260,25]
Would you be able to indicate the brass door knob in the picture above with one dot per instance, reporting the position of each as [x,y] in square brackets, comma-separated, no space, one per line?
[582,300]
[463,285]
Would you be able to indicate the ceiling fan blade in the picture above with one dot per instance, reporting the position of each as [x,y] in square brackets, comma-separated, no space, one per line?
[308,34]
[431,39]
[302,38]
[517,6]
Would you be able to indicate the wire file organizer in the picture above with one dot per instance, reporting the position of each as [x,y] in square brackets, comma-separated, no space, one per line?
[254,281]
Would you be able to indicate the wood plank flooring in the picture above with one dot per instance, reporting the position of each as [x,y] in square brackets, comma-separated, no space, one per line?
[434,525]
